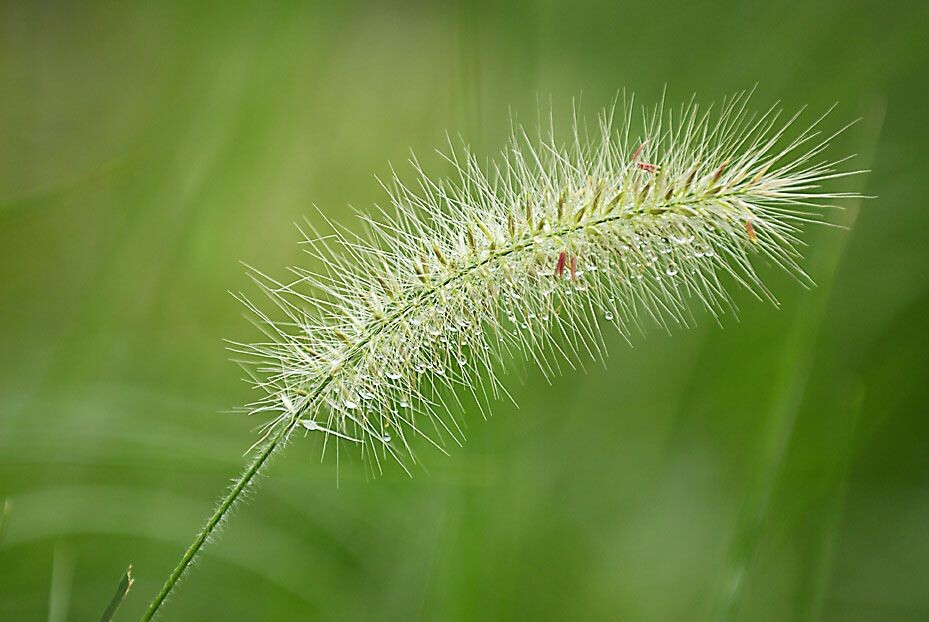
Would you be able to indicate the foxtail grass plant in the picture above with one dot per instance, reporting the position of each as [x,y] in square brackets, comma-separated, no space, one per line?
[377,348]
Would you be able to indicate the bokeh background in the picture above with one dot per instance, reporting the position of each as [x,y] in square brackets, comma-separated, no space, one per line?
[776,468]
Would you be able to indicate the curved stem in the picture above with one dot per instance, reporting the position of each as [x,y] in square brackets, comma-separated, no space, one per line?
[224,506]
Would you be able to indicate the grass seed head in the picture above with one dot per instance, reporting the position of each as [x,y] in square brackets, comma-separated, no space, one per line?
[396,326]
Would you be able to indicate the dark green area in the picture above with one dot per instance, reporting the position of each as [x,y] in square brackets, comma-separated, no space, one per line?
[773,469]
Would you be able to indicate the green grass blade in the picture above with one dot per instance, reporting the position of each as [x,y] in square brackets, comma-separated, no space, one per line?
[4,515]
[125,584]
[797,356]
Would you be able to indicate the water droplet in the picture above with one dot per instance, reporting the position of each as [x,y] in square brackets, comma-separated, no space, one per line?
[671,270]
[365,395]
[462,361]
[386,438]
[394,375]
[349,404]
[404,404]
[608,316]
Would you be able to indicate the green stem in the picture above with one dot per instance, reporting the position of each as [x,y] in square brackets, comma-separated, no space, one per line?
[227,503]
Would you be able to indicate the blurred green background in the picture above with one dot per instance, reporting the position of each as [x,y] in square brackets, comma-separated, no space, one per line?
[773,469]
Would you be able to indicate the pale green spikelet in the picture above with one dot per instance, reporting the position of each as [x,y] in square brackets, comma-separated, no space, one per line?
[531,258]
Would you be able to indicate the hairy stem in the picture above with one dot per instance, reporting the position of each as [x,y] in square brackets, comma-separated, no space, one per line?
[221,511]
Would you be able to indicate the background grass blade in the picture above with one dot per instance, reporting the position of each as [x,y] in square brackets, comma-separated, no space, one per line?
[4,517]
[125,584]
[797,358]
